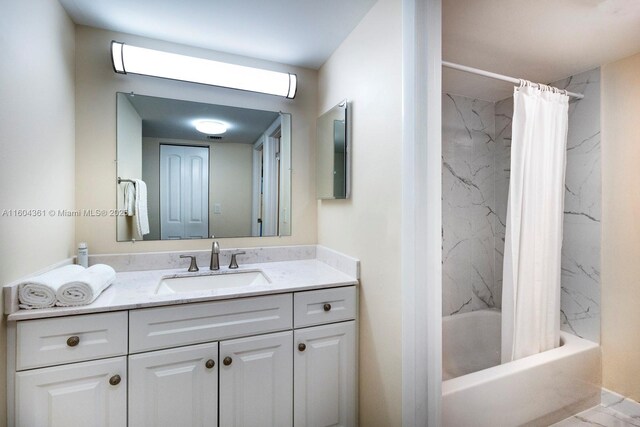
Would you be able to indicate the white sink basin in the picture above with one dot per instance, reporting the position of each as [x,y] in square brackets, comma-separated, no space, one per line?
[238,279]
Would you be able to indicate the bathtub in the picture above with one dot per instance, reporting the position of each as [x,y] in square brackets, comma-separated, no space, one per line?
[538,390]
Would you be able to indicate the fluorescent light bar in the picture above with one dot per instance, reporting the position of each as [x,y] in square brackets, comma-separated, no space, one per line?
[137,60]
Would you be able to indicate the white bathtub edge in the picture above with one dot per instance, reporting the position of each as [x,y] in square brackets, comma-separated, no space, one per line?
[572,345]
[538,390]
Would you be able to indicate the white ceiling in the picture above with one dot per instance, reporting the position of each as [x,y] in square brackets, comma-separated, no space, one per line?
[172,118]
[538,40]
[295,32]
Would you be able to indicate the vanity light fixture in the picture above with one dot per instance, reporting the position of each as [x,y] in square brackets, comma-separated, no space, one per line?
[137,60]
[210,127]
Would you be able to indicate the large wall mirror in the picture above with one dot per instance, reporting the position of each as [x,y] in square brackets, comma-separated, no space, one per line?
[209,170]
[332,150]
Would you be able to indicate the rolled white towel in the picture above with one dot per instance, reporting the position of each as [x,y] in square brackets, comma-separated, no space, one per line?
[85,287]
[40,291]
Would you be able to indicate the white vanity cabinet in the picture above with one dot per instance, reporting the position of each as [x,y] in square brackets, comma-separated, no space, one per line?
[59,384]
[276,360]
[175,387]
[325,358]
[256,381]
[78,394]
[325,377]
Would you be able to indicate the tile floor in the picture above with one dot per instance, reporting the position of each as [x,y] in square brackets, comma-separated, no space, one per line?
[614,411]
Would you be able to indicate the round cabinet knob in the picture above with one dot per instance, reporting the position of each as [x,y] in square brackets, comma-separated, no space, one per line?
[327,307]
[73,341]
[210,363]
[302,346]
[227,361]
[115,380]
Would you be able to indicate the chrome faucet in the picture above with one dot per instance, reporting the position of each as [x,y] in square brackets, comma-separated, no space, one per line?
[215,256]
[234,263]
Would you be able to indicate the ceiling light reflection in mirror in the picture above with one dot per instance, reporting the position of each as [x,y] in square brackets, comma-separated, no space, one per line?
[210,127]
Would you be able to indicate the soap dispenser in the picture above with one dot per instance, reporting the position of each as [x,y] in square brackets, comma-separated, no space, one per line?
[83,255]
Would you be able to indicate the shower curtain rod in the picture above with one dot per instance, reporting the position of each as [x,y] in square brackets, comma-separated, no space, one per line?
[494,75]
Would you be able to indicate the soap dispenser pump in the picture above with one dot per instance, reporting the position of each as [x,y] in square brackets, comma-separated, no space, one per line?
[83,255]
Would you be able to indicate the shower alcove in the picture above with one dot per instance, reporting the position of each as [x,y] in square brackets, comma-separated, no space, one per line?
[476,141]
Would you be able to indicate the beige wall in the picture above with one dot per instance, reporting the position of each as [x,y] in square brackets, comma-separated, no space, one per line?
[621,226]
[230,172]
[367,69]
[231,184]
[129,148]
[96,87]
[37,136]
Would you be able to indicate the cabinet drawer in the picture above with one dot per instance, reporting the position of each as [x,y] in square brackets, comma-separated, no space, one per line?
[324,306]
[163,327]
[46,342]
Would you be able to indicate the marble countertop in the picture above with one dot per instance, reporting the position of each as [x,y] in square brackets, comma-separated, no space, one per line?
[137,289]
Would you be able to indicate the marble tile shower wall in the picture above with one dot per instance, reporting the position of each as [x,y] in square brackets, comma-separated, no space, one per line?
[470,225]
[580,298]
[476,161]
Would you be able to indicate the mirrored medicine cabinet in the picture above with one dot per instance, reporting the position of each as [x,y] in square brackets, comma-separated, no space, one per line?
[333,152]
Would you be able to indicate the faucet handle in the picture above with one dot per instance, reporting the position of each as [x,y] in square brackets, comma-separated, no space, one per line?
[234,263]
[193,266]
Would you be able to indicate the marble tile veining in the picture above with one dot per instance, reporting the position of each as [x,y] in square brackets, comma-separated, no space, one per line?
[614,411]
[504,117]
[580,298]
[470,221]
[600,416]
[620,403]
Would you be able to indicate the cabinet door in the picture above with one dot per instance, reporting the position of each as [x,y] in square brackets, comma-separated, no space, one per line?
[325,376]
[78,394]
[176,387]
[256,384]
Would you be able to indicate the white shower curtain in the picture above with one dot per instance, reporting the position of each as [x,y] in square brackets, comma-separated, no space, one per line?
[531,272]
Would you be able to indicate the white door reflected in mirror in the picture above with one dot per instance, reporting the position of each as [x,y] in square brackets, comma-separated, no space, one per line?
[184,192]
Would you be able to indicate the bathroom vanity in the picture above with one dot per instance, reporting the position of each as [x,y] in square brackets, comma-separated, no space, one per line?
[281,353]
